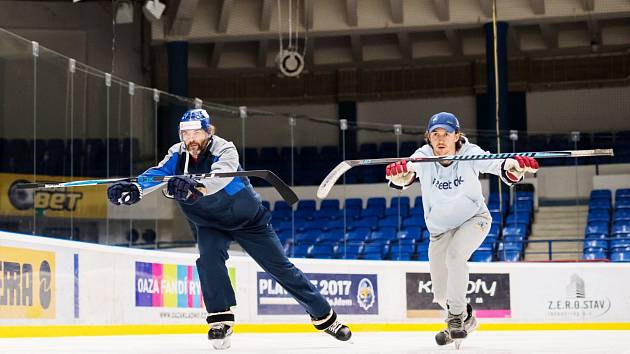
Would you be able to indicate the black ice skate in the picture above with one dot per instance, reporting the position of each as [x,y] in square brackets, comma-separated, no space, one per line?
[220,333]
[331,325]
[446,336]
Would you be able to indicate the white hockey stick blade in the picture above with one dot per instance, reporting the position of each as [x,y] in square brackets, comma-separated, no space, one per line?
[332,177]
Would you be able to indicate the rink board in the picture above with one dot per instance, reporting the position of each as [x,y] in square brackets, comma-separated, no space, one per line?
[74,288]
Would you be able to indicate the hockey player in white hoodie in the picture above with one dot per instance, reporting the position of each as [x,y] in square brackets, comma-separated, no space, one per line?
[455,212]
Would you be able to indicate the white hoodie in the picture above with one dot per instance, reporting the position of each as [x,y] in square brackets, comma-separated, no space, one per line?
[452,194]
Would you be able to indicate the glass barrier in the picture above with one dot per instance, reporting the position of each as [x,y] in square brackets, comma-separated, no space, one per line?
[63,121]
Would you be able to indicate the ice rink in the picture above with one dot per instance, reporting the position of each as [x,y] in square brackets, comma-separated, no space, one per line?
[504,342]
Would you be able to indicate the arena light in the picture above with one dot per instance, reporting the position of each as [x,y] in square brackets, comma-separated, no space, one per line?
[153,10]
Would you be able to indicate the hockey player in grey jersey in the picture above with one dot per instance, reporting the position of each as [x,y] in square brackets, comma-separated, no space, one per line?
[455,212]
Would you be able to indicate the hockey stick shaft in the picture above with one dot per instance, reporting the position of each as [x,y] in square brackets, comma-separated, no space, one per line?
[343,167]
[283,189]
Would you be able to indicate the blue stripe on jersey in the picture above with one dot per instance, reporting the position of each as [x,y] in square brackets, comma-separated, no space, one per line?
[163,169]
[234,187]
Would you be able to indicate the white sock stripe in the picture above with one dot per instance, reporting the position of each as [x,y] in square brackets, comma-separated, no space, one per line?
[318,322]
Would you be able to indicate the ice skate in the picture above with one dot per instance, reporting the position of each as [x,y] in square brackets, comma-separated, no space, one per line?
[220,335]
[469,325]
[331,325]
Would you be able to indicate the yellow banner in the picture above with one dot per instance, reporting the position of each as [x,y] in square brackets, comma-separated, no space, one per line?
[79,202]
[27,283]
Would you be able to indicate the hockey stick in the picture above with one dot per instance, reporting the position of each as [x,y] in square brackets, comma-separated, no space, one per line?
[344,166]
[283,189]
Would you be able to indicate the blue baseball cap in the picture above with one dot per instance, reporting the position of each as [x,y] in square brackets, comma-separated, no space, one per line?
[443,120]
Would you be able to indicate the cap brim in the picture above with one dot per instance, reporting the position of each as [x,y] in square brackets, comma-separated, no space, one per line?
[446,127]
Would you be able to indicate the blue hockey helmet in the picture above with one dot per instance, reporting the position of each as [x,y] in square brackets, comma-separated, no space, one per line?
[194,119]
[443,120]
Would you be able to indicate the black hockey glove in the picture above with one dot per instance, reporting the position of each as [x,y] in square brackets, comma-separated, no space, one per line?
[184,189]
[124,193]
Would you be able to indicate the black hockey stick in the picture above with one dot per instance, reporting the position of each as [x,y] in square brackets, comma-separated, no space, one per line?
[283,189]
[344,166]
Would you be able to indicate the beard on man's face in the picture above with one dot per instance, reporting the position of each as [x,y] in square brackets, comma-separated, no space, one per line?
[195,145]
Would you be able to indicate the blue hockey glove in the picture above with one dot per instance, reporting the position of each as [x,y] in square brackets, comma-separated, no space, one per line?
[184,189]
[124,193]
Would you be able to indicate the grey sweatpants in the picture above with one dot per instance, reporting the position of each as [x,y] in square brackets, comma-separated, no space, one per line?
[448,256]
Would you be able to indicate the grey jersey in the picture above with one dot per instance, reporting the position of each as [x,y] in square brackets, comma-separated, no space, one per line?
[452,194]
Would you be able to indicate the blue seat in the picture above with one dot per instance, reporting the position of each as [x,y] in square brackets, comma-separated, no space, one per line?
[621,215]
[526,205]
[598,227]
[601,194]
[495,231]
[417,202]
[621,229]
[622,203]
[307,237]
[402,251]
[407,148]
[524,195]
[354,203]
[383,236]
[322,251]
[308,225]
[513,238]
[374,250]
[520,218]
[266,204]
[416,211]
[281,205]
[327,214]
[352,213]
[594,255]
[369,222]
[306,204]
[482,256]
[511,246]
[403,211]
[510,256]
[376,202]
[599,204]
[285,235]
[402,201]
[515,230]
[489,240]
[329,204]
[390,221]
[269,154]
[387,149]
[329,237]
[410,233]
[619,243]
[422,254]
[598,215]
[330,152]
[282,226]
[299,251]
[595,243]
[94,163]
[334,224]
[595,236]
[347,251]
[357,235]
[414,221]
[304,213]
[377,212]
[623,256]
[622,192]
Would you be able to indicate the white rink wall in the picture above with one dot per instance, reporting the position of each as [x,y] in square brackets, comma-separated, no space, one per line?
[92,284]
